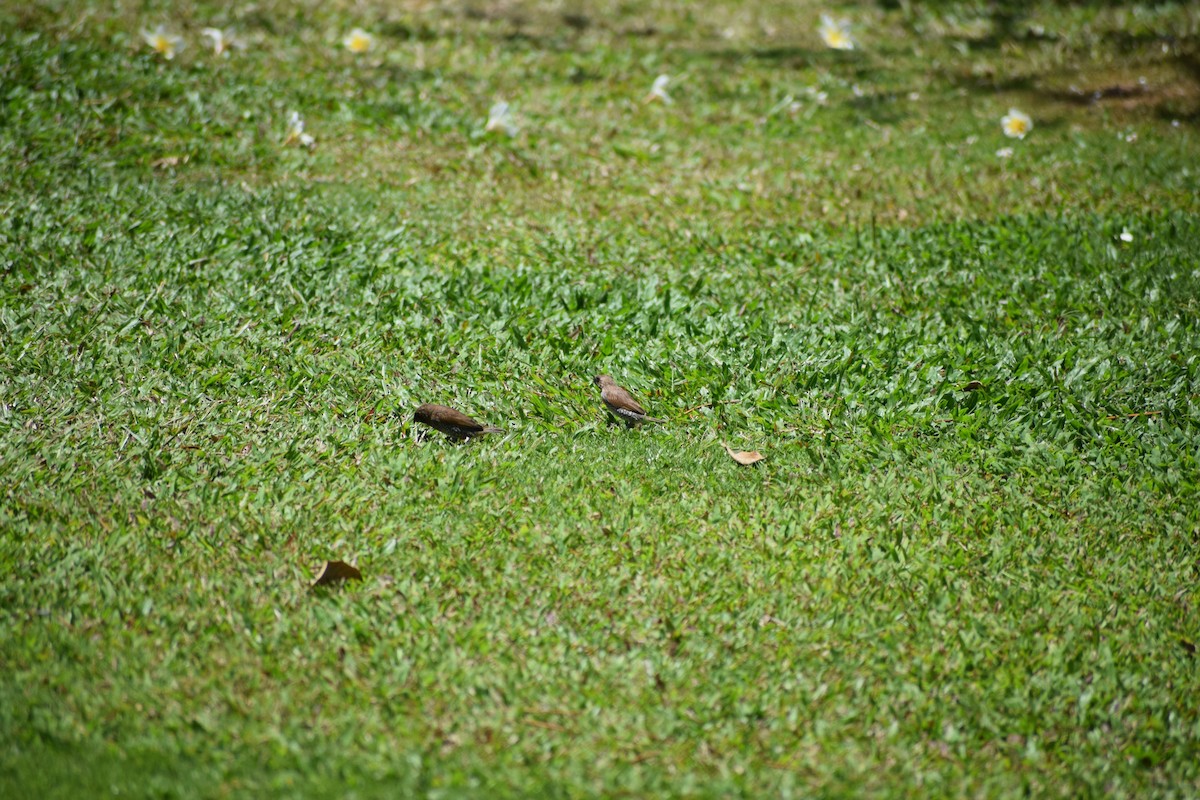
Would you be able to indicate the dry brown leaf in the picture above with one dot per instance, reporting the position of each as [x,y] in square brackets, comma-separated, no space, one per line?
[167,162]
[335,571]
[743,457]
[973,386]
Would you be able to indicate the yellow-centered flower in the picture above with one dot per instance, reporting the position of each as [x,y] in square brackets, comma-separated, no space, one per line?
[163,43]
[836,33]
[1016,124]
[359,41]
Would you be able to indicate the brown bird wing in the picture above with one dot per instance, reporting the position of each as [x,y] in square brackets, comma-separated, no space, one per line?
[450,416]
[619,398]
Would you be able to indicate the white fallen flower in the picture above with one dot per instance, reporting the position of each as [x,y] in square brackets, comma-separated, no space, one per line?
[296,133]
[221,43]
[163,43]
[1004,152]
[658,92]
[500,120]
[835,33]
[1125,236]
[359,41]
[1016,124]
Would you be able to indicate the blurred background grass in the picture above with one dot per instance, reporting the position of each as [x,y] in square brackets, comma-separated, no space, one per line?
[211,343]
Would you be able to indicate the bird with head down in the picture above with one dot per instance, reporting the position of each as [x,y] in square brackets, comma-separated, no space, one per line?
[451,422]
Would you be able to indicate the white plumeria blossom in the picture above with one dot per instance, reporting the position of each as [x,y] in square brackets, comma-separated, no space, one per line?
[658,92]
[1125,236]
[295,131]
[359,41]
[220,42]
[500,120]
[163,43]
[835,33]
[1016,124]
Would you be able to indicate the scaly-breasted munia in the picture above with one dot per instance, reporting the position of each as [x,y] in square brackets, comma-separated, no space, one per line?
[620,404]
[454,424]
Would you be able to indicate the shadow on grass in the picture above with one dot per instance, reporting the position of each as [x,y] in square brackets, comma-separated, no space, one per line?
[991,83]
[794,56]
[883,108]
[1173,95]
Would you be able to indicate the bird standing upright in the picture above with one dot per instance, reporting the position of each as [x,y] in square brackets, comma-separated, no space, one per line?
[454,424]
[620,404]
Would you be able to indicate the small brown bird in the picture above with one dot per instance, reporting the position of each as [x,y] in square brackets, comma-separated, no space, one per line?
[620,404]
[454,424]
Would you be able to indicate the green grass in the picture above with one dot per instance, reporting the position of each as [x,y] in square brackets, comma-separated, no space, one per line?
[211,345]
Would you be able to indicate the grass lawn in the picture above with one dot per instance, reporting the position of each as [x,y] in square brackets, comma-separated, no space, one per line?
[969,564]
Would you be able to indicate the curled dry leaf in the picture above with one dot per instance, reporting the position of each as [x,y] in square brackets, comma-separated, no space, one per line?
[743,457]
[335,571]
[973,386]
